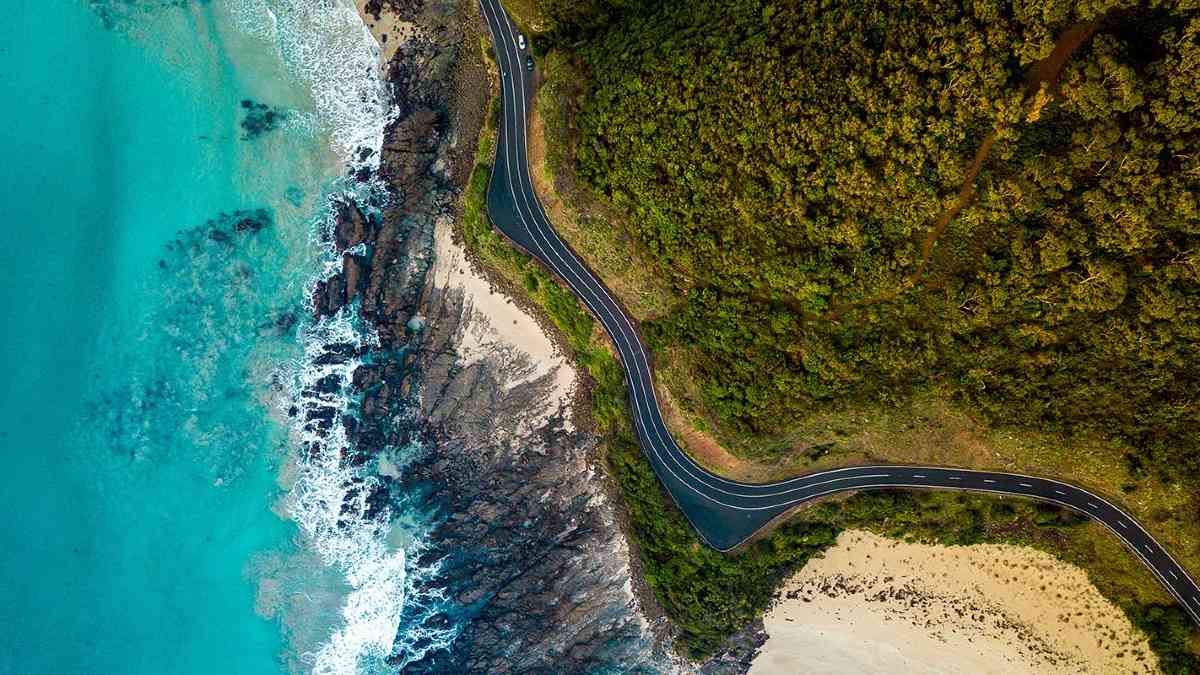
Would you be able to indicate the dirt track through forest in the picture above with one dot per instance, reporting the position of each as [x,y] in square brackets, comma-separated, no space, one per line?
[1043,77]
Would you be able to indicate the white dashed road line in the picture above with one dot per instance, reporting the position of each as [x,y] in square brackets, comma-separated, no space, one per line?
[647,413]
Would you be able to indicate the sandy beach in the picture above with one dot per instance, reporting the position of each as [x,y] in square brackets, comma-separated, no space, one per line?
[876,605]
[498,327]
[389,31]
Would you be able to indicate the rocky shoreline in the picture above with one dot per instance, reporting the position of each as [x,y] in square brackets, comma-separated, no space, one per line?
[528,548]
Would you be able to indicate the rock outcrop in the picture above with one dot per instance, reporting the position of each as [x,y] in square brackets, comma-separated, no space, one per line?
[532,561]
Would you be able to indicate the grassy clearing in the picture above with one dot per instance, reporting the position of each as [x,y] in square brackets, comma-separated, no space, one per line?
[710,595]
[929,429]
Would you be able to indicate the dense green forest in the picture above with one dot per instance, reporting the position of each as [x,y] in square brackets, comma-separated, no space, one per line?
[710,595]
[804,173]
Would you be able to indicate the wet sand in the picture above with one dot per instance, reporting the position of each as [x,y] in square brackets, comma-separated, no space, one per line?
[876,605]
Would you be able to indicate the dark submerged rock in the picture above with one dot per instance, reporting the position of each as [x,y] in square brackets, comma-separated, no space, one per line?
[252,221]
[259,119]
[353,226]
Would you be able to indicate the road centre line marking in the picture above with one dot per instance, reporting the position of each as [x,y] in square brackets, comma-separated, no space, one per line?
[1093,505]
[600,306]
[988,480]
[621,321]
[1025,485]
[918,475]
[1172,572]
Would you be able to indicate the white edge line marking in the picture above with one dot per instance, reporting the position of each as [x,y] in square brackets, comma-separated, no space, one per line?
[660,432]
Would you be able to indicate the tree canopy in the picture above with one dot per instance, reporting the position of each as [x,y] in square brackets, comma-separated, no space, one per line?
[788,163]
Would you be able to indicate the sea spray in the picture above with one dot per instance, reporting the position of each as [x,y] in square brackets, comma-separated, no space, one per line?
[345,506]
[348,515]
[326,46]
[330,500]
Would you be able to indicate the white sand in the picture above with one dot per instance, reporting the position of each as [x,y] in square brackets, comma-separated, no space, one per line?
[875,605]
[496,325]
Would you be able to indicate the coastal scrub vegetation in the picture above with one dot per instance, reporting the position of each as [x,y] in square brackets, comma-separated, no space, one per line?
[710,595]
[804,174]
[785,164]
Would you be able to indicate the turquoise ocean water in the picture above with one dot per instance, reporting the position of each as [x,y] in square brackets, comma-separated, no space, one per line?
[155,251]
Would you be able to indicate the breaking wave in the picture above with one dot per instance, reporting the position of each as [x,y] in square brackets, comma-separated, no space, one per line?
[326,47]
[331,501]
[345,510]
[348,515]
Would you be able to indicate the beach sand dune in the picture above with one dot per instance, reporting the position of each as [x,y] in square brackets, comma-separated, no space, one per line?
[876,605]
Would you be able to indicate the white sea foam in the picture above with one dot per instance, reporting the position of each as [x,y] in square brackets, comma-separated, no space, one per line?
[327,49]
[329,502]
[329,499]
[328,52]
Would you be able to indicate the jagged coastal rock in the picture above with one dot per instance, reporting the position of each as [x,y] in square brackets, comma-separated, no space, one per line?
[533,564]
[536,559]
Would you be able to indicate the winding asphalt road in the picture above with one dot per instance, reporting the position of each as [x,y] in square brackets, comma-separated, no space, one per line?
[724,512]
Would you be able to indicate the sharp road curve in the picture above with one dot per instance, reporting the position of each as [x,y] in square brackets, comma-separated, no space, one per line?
[725,512]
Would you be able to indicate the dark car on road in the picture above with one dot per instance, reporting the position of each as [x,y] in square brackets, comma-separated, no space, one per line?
[529,63]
